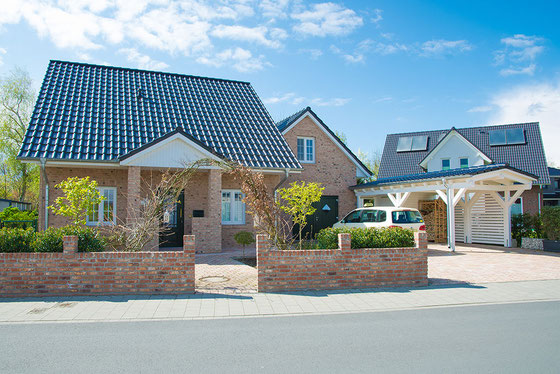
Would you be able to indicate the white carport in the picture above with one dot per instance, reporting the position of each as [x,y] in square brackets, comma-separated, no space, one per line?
[478,199]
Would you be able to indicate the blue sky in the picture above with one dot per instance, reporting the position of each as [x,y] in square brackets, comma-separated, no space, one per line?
[367,68]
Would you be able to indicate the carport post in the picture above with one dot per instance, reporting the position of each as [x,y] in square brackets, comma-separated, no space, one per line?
[450,219]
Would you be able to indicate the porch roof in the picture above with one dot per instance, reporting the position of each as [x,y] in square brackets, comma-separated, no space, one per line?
[438,175]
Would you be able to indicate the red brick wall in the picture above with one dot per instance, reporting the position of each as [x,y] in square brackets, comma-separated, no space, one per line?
[104,177]
[342,268]
[102,273]
[531,200]
[332,168]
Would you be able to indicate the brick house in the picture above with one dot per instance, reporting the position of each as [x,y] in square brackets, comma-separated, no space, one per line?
[483,175]
[123,127]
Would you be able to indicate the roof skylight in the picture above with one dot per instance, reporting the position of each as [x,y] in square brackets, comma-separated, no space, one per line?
[412,143]
[507,137]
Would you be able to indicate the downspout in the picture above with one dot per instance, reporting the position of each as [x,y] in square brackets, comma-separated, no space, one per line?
[286,175]
[45,179]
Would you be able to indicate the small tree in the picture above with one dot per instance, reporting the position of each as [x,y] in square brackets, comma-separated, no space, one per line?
[80,196]
[244,238]
[299,199]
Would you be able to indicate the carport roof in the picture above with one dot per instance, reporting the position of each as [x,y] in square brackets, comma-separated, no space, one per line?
[421,177]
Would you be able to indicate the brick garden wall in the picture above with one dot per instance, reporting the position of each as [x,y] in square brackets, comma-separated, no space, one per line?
[342,268]
[101,273]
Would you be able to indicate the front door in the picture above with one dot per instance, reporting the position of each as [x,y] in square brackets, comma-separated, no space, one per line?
[326,215]
[172,225]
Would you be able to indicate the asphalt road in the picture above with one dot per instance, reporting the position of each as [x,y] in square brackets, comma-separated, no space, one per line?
[505,338]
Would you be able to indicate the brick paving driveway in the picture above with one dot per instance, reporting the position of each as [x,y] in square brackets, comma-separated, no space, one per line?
[220,273]
[484,264]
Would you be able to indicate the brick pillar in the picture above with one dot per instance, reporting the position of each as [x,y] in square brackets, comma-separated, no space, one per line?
[263,243]
[189,243]
[70,244]
[208,229]
[344,242]
[133,194]
[263,249]
[421,239]
[189,252]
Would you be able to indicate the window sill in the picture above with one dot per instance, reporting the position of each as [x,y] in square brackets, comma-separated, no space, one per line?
[232,223]
[306,162]
[94,224]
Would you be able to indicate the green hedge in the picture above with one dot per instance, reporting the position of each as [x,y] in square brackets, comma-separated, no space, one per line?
[16,240]
[551,222]
[50,240]
[393,237]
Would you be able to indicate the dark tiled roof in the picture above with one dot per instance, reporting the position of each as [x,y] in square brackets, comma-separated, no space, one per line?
[287,122]
[419,177]
[100,113]
[529,157]
[554,172]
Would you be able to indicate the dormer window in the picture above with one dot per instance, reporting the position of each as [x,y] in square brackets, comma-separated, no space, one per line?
[445,164]
[507,137]
[306,150]
[412,143]
[464,162]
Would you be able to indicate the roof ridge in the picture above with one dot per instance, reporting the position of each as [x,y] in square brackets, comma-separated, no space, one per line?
[293,114]
[148,71]
[464,128]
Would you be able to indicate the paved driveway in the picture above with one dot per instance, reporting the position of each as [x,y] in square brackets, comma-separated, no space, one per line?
[483,264]
[220,273]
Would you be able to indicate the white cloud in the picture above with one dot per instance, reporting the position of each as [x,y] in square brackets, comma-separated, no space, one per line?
[294,99]
[327,19]
[274,9]
[2,52]
[377,16]
[250,34]
[141,60]
[442,46]
[383,99]
[519,54]
[337,101]
[480,109]
[535,102]
[313,52]
[289,97]
[241,59]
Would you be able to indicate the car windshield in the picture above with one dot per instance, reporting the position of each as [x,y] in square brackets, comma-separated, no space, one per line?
[407,216]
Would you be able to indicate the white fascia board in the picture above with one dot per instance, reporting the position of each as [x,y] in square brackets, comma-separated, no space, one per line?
[75,163]
[335,141]
[453,133]
[130,160]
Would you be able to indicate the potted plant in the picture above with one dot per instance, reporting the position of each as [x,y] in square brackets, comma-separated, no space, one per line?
[244,238]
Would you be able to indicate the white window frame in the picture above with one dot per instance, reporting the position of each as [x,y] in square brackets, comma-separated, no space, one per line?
[100,213]
[231,201]
[305,153]
[468,162]
[445,159]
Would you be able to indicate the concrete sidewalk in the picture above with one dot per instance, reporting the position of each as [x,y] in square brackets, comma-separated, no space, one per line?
[208,305]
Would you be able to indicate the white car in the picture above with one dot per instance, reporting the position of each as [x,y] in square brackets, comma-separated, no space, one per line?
[407,218]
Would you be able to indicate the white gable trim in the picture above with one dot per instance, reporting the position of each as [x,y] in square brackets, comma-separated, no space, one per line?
[364,173]
[452,133]
[136,159]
